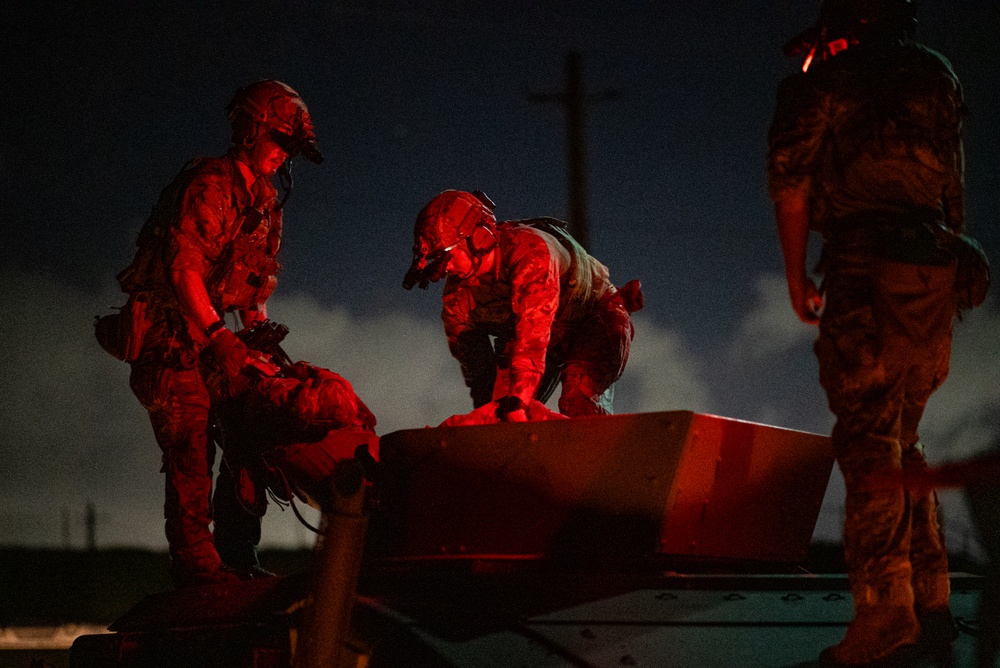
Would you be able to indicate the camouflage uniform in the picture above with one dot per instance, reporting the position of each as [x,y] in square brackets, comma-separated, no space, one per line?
[875,137]
[555,315]
[207,221]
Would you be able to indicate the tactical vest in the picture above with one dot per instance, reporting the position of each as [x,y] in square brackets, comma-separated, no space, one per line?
[244,274]
[577,284]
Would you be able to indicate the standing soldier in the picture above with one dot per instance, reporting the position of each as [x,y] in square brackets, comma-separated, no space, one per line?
[865,148]
[525,307]
[208,249]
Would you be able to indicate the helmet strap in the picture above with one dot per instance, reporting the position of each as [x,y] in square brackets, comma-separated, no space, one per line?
[285,180]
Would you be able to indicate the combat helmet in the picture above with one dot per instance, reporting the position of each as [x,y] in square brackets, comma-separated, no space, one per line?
[273,107]
[449,219]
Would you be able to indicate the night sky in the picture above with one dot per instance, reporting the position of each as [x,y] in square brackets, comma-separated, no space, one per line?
[106,101]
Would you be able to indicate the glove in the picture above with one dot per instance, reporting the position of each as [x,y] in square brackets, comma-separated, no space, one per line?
[511,409]
[632,295]
[230,354]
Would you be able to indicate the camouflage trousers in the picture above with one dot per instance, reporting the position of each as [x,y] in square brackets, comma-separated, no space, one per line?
[883,348]
[169,382]
[588,360]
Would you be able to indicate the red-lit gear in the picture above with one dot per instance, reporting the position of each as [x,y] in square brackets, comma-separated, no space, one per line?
[276,108]
[844,24]
[547,313]
[449,219]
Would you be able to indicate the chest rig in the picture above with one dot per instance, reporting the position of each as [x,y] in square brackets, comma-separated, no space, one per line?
[246,273]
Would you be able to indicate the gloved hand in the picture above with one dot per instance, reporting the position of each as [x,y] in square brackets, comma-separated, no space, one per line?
[229,353]
[511,409]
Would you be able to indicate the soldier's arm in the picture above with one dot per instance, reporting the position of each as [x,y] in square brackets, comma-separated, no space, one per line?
[534,293]
[795,142]
[792,214]
[191,292]
[470,346]
[197,243]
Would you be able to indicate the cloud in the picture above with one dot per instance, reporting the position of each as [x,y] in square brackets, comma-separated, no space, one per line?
[771,327]
[398,363]
[72,430]
[662,374]
[963,416]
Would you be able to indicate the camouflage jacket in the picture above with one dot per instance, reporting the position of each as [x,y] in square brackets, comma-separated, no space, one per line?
[208,221]
[543,283]
[871,130]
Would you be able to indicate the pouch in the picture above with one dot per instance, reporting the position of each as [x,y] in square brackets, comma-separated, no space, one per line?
[972,276]
[121,334]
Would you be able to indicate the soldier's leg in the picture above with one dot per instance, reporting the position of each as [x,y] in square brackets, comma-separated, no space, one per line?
[187,464]
[865,393]
[595,359]
[237,530]
[582,394]
[178,402]
[928,553]
[876,551]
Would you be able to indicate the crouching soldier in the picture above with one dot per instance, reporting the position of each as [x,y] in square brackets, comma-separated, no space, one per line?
[524,308]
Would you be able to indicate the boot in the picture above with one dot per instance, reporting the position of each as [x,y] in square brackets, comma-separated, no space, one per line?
[884,631]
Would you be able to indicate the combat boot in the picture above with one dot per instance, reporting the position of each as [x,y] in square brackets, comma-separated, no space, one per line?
[883,634]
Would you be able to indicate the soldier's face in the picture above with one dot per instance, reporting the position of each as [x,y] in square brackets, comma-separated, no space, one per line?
[267,156]
[461,264]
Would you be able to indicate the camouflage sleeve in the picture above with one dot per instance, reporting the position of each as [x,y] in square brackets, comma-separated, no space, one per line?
[199,235]
[534,292]
[954,192]
[470,346]
[795,137]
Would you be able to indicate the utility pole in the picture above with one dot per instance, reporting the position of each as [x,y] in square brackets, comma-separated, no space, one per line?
[575,101]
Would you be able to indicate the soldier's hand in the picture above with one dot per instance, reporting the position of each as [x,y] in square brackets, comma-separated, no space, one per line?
[806,300]
[511,409]
[519,415]
[228,352]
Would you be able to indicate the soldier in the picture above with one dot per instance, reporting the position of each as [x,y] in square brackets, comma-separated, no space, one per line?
[980,476]
[208,249]
[865,148]
[524,308]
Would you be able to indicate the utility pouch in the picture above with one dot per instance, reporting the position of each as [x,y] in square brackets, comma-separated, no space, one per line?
[121,334]
[972,275]
[911,243]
